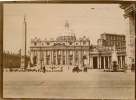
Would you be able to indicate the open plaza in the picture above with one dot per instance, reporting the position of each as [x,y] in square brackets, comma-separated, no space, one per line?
[94,84]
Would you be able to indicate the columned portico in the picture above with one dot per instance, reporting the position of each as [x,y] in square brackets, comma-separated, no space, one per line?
[71,58]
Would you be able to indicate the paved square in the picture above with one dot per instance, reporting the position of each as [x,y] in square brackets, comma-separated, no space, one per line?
[93,84]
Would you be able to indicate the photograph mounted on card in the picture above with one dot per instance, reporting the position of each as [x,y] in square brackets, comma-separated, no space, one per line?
[69,51]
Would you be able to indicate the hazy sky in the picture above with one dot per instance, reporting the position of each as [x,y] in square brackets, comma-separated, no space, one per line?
[48,20]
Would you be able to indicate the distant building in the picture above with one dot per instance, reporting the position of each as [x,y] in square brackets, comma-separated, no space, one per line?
[106,44]
[110,40]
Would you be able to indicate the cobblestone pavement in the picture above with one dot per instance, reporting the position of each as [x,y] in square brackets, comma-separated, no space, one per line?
[93,84]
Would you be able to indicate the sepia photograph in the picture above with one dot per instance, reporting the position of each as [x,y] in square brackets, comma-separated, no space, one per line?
[69,51]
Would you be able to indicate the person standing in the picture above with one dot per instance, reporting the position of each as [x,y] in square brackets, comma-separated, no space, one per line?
[44,69]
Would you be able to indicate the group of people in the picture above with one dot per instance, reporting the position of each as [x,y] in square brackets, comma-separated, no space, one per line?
[77,69]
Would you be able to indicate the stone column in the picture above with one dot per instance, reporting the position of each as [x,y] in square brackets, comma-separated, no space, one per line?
[79,60]
[53,57]
[44,58]
[68,63]
[38,57]
[91,62]
[108,62]
[50,57]
[100,62]
[31,57]
[61,57]
[56,57]
[77,57]
[73,57]
[104,62]
[65,52]
[36,54]
[68,57]
[120,61]
[123,61]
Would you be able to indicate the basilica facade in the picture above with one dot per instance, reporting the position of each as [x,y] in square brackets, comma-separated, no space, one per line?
[65,50]
[69,51]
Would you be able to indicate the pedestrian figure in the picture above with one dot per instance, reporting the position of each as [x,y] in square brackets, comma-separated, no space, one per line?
[44,69]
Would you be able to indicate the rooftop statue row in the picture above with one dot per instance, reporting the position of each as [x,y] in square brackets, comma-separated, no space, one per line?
[62,38]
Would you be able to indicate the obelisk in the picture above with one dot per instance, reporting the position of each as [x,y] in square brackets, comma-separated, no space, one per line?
[23,49]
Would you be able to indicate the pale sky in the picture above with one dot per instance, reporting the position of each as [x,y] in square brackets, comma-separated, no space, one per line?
[48,20]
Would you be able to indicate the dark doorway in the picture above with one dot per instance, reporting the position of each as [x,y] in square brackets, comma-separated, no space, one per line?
[102,63]
[95,62]
[59,59]
[106,62]
[35,60]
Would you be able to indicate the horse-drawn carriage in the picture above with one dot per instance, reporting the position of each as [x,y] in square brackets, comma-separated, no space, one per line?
[76,69]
